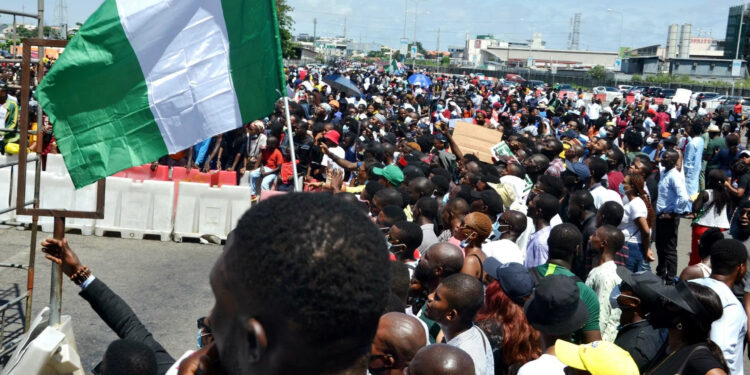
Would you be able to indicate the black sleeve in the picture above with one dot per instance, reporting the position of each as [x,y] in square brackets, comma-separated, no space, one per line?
[122,320]
[701,362]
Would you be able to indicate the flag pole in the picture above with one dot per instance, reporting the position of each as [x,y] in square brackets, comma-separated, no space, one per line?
[291,143]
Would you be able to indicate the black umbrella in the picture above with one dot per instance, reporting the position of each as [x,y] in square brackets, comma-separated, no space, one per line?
[342,84]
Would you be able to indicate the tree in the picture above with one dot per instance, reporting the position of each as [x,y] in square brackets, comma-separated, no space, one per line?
[445,61]
[598,72]
[283,14]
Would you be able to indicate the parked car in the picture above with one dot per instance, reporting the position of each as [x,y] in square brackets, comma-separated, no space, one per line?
[566,87]
[610,92]
[652,91]
[535,84]
[624,89]
[727,105]
[637,89]
[667,93]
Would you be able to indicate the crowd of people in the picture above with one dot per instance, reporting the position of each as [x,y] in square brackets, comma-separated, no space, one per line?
[416,257]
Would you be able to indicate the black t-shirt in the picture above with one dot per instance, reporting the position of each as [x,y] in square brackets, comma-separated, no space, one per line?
[642,341]
[744,183]
[694,359]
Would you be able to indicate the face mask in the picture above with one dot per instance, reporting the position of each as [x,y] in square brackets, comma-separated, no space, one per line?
[622,190]
[407,121]
[198,340]
[464,243]
[345,128]
[439,107]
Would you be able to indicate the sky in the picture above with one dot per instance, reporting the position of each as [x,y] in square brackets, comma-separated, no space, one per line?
[382,21]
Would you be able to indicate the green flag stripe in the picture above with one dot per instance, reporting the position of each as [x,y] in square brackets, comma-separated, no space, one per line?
[254,46]
[112,128]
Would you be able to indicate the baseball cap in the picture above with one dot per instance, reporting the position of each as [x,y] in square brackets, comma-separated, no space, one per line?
[513,277]
[714,129]
[598,357]
[744,153]
[671,140]
[580,169]
[392,173]
[333,136]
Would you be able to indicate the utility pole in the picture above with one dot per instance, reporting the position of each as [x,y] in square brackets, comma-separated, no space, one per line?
[315,31]
[344,27]
[406,6]
[437,50]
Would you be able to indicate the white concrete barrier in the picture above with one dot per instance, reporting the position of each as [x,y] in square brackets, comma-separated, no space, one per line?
[208,211]
[137,208]
[5,187]
[56,164]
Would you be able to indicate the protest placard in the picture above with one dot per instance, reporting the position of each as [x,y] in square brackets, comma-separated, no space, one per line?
[475,139]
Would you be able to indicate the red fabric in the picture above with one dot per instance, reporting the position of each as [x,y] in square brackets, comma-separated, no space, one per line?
[697,232]
[272,158]
[614,179]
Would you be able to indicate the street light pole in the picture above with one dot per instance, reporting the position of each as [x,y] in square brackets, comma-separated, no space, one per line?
[619,38]
[739,38]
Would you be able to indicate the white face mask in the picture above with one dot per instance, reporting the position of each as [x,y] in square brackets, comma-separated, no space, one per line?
[407,121]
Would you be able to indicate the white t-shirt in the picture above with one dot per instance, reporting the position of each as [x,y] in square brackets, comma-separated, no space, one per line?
[710,217]
[594,110]
[728,332]
[633,210]
[506,251]
[475,343]
[546,364]
[329,163]
[602,195]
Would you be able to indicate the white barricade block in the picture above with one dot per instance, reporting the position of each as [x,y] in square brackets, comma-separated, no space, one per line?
[245,179]
[137,208]
[57,192]
[204,210]
[5,187]
[56,164]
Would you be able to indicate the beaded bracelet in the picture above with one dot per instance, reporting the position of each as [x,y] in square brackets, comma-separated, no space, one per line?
[80,276]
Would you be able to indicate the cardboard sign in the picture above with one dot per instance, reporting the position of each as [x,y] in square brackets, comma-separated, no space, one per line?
[476,139]
[682,96]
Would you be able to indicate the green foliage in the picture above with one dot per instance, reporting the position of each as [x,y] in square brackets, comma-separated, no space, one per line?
[598,72]
[445,61]
[636,78]
[283,13]
[378,54]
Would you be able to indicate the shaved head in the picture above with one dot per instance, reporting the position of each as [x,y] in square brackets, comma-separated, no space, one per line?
[441,359]
[516,220]
[400,336]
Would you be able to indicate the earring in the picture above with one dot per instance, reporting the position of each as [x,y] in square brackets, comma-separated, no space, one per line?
[679,326]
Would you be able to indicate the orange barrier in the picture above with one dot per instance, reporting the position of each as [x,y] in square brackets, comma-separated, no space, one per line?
[194,175]
[602,97]
[144,172]
[221,178]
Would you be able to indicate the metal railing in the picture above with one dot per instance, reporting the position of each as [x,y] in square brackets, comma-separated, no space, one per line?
[7,347]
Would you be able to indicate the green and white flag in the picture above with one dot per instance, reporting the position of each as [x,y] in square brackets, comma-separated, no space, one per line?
[144,78]
[393,67]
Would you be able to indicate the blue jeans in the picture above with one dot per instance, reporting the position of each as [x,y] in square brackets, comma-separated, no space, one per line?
[636,261]
[265,184]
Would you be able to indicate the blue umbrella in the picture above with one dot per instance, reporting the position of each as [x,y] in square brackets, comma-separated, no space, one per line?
[420,79]
[342,84]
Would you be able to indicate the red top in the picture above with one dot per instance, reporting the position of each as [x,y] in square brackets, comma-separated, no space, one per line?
[272,159]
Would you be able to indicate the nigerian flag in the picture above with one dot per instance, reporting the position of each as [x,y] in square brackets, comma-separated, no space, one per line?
[144,78]
[393,67]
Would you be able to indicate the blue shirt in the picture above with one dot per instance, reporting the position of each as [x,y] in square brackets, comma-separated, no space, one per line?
[537,251]
[692,164]
[673,196]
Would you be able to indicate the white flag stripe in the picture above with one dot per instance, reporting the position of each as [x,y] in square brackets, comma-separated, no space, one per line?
[183,49]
